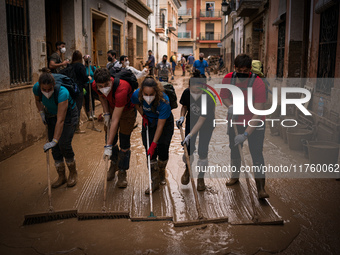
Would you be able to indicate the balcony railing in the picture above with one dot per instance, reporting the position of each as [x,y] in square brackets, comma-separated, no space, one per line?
[247,8]
[210,14]
[210,36]
[184,35]
[160,21]
[186,12]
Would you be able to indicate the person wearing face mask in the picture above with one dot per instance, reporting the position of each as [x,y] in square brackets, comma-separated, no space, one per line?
[59,112]
[154,107]
[255,135]
[125,64]
[55,63]
[163,69]
[111,57]
[90,69]
[201,65]
[195,122]
[120,116]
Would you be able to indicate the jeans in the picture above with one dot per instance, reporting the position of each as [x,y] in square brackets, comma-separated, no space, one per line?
[162,150]
[63,150]
[255,141]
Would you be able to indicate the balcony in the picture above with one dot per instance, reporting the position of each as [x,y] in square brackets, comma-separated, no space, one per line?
[247,8]
[184,35]
[171,25]
[210,15]
[210,37]
[186,12]
[160,24]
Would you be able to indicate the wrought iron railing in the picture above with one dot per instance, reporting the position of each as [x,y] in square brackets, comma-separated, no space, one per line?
[210,36]
[184,35]
[186,12]
[210,14]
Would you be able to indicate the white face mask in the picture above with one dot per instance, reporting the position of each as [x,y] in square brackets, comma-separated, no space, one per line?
[63,50]
[127,63]
[195,96]
[105,90]
[48,94]
[149,99]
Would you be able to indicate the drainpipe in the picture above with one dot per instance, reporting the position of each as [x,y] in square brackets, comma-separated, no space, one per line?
[83,6]
[195,23]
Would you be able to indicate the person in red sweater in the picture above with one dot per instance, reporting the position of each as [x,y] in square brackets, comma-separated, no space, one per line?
[120,116]
[255,135]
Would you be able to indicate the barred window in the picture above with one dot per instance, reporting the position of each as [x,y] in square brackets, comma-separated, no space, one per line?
[18,35]
[281,49]
[327,49]
[139,41]
[116,38]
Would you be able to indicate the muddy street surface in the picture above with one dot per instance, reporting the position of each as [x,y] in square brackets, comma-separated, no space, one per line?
[308,208]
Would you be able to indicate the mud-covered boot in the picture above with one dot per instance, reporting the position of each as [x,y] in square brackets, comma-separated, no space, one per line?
[202,164]
[200,184]
[185,179]
[78,130]
[122,182]
[61,175]
[114,165]
[236,164]
[89,116]
[154,177]
[261,192]
[72,178]
[162,167]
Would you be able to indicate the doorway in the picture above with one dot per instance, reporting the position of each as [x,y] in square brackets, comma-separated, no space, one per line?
[99,39]
[53,25]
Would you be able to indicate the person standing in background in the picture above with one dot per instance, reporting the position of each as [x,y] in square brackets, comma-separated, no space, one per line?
[151,63]
[90,69]
[173,60]
[55,62]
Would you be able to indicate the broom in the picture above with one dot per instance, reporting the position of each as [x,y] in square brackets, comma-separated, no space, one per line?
[51,215]
[104,213]
[152,216]
[200,219]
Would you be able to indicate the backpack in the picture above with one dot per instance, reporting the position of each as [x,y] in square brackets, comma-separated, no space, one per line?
[170,91]
[68,83]
[171,59]
[70,72]
[125,75]
[251,81]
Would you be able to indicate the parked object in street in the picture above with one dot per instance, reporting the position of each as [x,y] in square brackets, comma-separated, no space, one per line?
[323,152]
[295,135]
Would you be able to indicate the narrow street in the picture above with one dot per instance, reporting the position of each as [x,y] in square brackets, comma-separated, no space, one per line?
[309,208]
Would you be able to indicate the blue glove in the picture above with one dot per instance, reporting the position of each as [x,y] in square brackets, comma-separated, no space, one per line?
[43,118]
[50,145]
[179,122]
[186,140]
[239,139]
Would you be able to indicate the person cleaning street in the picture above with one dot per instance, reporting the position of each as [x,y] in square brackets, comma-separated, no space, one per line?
[120,116]
[196,123]
[59,112]
[254,135]
[154,106]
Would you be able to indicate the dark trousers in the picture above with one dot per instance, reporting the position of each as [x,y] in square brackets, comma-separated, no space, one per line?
[162,150]
[205,134]
[255,141]
[63,150]
[87,98]
[79,101]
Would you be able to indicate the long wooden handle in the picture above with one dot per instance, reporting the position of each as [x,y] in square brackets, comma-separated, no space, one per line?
[48,175]
[149,169]
[255,217]
[198,207]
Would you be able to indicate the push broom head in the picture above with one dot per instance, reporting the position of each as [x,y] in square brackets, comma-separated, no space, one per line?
[103,215]
[152,217]
[49,216]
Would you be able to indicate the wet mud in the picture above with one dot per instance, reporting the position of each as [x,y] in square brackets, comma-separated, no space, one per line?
[309,208]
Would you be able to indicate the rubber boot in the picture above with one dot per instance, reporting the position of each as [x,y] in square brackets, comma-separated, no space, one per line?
[78,130]
[72,178]
[112,171]
[122,182]
[162,167]
[234,175]
[61,175]
[260,182]
[202,164]
[89,116]
[185,179]
[154,177]
[183,73]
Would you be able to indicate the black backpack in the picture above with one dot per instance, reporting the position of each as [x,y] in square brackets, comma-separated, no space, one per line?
[251,81]
[68,83]
[171,93]
[125,75]
[70,72]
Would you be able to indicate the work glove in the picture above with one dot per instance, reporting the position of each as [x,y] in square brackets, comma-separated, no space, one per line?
[186,140]
[43,117]
[230,112]
[107,119]
[152,149]
[50,145]
[239,139]
[107,151]
[145,121]
[179,122]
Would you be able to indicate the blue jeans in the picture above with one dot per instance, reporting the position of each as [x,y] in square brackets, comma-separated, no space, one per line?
[63,150]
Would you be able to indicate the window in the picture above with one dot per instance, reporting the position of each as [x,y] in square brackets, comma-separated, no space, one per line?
[281,49]
[327,49]
[19,49]
[209,31]
[116,38]
[139,41]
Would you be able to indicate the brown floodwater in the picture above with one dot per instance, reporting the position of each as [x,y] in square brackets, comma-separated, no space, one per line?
[309,208]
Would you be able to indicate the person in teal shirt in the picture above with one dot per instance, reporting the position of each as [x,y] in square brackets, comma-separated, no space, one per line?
[59,112]
[90,72]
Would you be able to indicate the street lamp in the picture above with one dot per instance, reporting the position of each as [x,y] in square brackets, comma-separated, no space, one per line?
[224,7]
[180,20]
